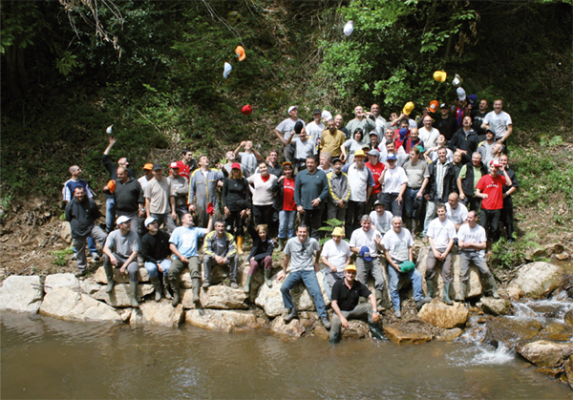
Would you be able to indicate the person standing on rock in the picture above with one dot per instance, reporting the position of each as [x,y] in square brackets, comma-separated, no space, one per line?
[339,192]
[398,247]
[220,248]
[261,185]
[184,243]
[203,190]
[335,256]
[82,212]
[128,199]
[235,198]
[286,129]
[156,256]
[507,211]
[345,296]
[441,234]
[284,204]
[179,189]
[300,253]
[187,165]
[361,182]
[310,194]
[261,253]
[159,200]
[120,251]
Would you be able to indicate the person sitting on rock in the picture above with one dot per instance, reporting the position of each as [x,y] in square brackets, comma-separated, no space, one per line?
[398,247]
[441,234]
[472,241]
[345,296]
[300,253]
[184,244]
[156,256]
[120,251]
[219,248]
[261,253]
[335,256]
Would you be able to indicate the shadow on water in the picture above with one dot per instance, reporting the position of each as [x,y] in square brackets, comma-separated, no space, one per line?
[48,358]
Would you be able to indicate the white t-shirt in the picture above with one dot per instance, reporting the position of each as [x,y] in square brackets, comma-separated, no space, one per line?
[287,126]
[457,216]
[314,131]
[398,244]
[358,180]
[303,149]
[360,238]
[449,156]
[442,233]
[143,181]
[382,223]
[498,122]
[336,254]
[472,235]
[394,179]
[430,138]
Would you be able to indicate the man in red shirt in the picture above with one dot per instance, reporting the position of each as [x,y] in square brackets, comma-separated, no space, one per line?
[490,190]
[376,167]
[188,164]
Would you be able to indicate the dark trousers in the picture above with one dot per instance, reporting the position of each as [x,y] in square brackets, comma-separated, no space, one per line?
[506,217]
[391,204]
[489,220]
[263,214]
[472,203]
[354,211]
[235,221]
[312,219]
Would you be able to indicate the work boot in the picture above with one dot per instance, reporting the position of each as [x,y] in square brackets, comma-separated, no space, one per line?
[420,303]
[430,283]
[166,288]
[206,284]
[175,287]
[157,286]
[397,314]
[281,244]
[196,289]
[247,287]
[325,322]
[133,294]
[239,245]
[379,300]
[234,285]
[109,275]
[446,297]
[493,287]
[268,277]
[292,314]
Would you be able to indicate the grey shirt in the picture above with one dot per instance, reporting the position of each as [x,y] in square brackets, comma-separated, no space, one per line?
[123,245]
[301,254]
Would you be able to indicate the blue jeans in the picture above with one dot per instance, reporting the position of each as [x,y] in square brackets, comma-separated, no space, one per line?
[391,204]
[286,223]
[394,277]
[152,268]
[311,282]
[109,215]
[409,198]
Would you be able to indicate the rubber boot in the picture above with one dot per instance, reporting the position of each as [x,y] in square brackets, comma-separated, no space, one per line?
[133,294]
[247,287]
[109,276]
[376,334]
[196,289]
[379,300]
[463,290]
[157,286]
[446,297]
[175,287]
[493,287]
[166,288]
[430,283]
[268,277]
[281,244]
[292,314]
[239,245]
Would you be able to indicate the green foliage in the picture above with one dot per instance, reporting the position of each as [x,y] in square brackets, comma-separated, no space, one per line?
[507,255]
[66,63]
[60,256]
[329,227]
[20,24]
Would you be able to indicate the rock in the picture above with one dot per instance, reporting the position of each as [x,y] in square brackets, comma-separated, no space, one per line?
[125,314]
[89,286]
[398,335]
[562,256]
[538,279]
[556,331]
[568,317]
[510,331]
[450,335]
[321,332]
[569,371]
[293,329]
[61,280]
[66,304]
[357,330]
[441,315]
[161,313]
[185,279]
[556,248]
[66,232]
[100,277]
[136,318]
[223,297]
[544,353]
[119,296]
[514,293]
[222,320]
[271,299]
[496,306]
[21,294]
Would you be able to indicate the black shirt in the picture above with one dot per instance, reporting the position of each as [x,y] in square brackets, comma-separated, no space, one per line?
[82,216]
[155,247]
[348,298]
[477,121]
[447,126]
[235,194]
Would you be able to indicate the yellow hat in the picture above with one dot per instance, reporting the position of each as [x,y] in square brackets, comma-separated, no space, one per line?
[350,267]
[359,153]
[408,108]
[338,231]
[440,76]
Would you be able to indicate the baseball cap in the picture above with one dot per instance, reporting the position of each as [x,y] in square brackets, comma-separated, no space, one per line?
[338,231]
[174,165]
[490,130]
[391,157]
[149,220]
[473,99]
[495,163]
[287,163]
[359,153]
[443,105]
[235,165]
[374,152]
[292,108]
[122,219]
[373,133]
[148,166]
[317,111]
[298,127]
[407,266]
[335,160]
[365,253]
[378,203]
[461,93]
[350,267]
[157,167]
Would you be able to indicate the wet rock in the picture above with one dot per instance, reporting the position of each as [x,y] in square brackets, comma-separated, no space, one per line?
[21,294]
[514,293]
[568,318]
[66,232]
[66,304]
[569,371]
[125,314]
[136,318]
[294,328]
[556,331]
[89,286]
[222,320]
[357,330]
[544,353]
[61,280]
[399,335]
[223,297]
[100,277]
[441,315]
[321,332]
[552,372]
[119,296]
[496,306]
[556,248]
[511,331]
[450,334]
[308,320]
[538,279]
[161,313]
[562,256]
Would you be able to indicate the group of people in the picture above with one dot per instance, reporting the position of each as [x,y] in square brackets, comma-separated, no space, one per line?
[374,176]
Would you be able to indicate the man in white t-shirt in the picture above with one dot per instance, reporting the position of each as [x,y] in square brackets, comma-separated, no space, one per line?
[441,234]
[380,121]
[472,241]
[456,211]
[398,248]
[428,134]
[335,256]
[394,182]
[366,242]
[314,129]
[499,121]
[381,218]
[285,129]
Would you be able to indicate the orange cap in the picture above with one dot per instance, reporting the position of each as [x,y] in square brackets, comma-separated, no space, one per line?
[111,186]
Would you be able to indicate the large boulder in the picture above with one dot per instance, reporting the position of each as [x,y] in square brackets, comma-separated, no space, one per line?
[21,294]
[119,296]
[357,330]
[89,286]
[66,232]
[222,320]
[161,313]
[223,297]
[556,331]
[511,331]
[294,328]
[544,353]
[496,307]
[449,335]
[441,315]
[399,335]
[61,280]
[100,277]
[66,304]
[538,279]
[569,371]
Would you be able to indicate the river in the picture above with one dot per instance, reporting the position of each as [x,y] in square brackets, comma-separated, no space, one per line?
[48,358]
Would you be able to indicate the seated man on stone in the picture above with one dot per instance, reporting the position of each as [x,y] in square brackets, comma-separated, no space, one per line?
[120,251]
[456,211]
[381,219]
[156,256]
[335,256]
[398,247]
[300,253]
[345,295]
[441,234]
[219,248]
[472,242]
